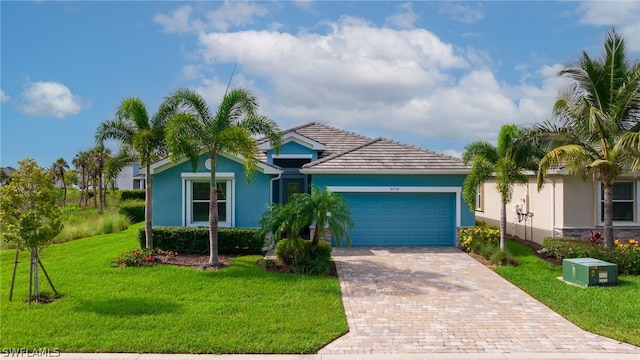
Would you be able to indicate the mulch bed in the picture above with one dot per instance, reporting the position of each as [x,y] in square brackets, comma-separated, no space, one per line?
[196,261]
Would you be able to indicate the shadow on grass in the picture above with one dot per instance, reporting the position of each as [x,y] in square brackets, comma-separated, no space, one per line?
[128,307]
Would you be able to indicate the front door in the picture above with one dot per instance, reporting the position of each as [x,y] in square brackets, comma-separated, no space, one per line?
[291,186]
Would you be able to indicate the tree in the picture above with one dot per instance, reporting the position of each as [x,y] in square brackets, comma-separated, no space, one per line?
[142,139]
[99,157]
[58,168]
[598,122]
[506,161]
[327,210]
[194,130]
[82,162]
[30,215]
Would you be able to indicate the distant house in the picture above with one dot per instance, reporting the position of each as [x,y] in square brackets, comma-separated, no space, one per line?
[566,206]
[398,194]
[5,174]
[131,177]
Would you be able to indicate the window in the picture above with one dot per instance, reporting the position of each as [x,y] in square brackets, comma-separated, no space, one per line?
[480,198]
[623,201]
[196,202]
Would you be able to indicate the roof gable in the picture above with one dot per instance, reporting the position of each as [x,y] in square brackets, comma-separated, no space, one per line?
[297,138]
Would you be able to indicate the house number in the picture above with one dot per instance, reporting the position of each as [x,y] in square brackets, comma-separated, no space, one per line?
[394,189]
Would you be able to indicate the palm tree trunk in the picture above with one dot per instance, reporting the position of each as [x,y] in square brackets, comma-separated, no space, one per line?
[503,226]
[64,187]
[101,204]
[213,214]
[148,224]
[607,185]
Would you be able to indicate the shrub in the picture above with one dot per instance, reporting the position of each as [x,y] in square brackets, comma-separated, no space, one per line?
[138,257]
[134,210]
[570,248]
[470,239]
[297,253]
[311,265]
[626,256]
[288,250]
[195,240]
[132,195]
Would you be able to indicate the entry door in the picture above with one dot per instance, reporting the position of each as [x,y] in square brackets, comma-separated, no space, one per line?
[291,186]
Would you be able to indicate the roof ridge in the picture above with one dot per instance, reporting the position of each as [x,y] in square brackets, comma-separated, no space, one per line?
[285,131]
[333,156]
[343,131]
[422,149]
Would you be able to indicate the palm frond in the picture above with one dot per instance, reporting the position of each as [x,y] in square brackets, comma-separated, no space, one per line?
[133,110]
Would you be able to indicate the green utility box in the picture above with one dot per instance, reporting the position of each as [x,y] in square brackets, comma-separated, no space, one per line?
[589,272]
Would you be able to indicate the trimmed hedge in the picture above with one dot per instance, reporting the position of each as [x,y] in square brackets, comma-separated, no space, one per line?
[134,210]
[195,240]
[625,256]
[132,195]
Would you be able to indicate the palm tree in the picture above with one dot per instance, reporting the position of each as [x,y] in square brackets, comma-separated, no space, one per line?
[101,156]
[142,137]
[599,122]
[81,162]
[328,210]
[58,168]
[195,130]
[506,162]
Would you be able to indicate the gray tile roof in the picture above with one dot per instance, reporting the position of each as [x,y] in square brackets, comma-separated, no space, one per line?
[384,155]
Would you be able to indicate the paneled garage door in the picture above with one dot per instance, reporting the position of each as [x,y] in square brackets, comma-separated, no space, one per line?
[402,219]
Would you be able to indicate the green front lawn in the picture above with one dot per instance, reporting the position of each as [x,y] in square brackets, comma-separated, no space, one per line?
[165,309]
[613,312]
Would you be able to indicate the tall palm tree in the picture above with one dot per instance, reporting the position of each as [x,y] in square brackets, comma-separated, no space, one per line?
[58,168]
[507,162]
[142,137]
[195,130]
[598,122]
[81,162]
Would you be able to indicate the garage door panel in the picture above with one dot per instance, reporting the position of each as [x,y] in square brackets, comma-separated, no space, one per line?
[402,219]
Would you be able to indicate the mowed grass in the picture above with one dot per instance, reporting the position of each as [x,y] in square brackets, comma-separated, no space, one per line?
[613,312]
[164,309]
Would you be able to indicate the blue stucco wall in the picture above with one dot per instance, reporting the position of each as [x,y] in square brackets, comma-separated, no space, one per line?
[467,217]
[293,148]
[250,198]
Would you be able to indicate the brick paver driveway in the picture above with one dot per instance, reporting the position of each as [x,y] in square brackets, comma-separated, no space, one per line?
[409,300]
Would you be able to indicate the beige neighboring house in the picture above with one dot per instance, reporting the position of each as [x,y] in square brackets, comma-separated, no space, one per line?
[567,205]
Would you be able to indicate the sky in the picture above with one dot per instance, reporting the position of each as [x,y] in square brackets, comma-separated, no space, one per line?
[434,74]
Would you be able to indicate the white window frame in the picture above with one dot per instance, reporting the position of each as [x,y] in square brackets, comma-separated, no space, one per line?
[480,198]
[636,203]
[187,197]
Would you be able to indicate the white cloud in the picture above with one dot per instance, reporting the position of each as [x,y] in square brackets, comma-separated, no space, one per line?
[179,21]
[463,13]
[4,97]
[405,18]
[230,13]
[348,77]
[49,99]
[623,15]
[303,4]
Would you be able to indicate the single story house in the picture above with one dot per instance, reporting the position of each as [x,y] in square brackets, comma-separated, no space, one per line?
[567,205]
[398,194]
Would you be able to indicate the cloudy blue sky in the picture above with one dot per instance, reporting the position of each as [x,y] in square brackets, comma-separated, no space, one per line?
[434,74]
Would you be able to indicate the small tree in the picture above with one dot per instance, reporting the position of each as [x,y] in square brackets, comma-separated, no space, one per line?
[30,216]
[329,211]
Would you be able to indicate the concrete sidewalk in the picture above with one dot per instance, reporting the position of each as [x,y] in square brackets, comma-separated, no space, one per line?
[430,356]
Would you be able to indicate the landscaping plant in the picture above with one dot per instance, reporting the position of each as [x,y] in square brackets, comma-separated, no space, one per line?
[30,218]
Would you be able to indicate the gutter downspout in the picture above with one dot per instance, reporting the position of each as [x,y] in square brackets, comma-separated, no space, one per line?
[271,186]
